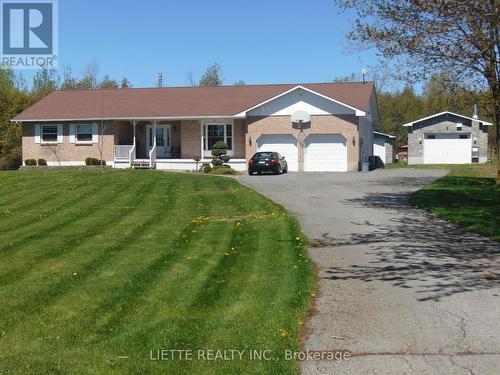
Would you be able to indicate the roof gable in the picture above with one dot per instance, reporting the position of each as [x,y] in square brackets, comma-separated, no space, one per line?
[444,114]
[300,98]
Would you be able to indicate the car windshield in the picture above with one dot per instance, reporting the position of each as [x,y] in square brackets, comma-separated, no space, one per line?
[263,155]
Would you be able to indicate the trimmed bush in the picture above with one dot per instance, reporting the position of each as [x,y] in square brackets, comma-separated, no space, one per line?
[30,162]
[219,153]
[225,169]
[206,168]
[94,161]
[42,162]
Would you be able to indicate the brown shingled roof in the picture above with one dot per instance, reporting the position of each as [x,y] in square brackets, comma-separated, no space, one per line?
[171,102]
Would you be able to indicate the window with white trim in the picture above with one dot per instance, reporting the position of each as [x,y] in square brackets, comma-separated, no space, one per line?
[83,132]
[48,133]
[213,133]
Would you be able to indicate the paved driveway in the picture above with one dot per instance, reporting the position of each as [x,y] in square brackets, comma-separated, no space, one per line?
[403,291]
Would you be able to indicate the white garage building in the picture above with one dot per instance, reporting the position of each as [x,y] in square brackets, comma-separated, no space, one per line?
[447,138]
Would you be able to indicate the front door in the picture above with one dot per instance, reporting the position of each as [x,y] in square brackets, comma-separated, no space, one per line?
[163,136]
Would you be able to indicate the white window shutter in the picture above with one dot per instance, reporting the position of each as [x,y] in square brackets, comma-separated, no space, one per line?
[71,133]
[59,133]
[95,134]
[37,133]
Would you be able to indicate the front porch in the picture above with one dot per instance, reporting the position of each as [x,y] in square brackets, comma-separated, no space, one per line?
[178,145]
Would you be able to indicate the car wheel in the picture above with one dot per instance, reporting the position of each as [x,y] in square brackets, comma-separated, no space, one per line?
[285,170]
[250,172]
[278,170]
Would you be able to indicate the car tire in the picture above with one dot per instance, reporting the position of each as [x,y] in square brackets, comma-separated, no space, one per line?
[285,170]
[250,172]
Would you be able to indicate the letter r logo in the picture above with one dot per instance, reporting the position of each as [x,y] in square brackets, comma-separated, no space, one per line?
[27,28]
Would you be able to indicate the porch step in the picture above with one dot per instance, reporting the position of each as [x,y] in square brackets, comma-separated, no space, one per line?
[141,164]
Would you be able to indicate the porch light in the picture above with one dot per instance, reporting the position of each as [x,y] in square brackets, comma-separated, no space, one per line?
[353,140]
[249,141]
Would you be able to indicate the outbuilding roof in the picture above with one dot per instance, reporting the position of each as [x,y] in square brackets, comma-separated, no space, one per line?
[447,113]
[179,102]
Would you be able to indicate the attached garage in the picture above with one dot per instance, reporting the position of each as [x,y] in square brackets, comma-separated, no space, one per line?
[325,153]
[284,144]
[450,148]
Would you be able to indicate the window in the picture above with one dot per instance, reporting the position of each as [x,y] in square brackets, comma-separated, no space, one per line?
[464,136]
[83,132]
[213,133]
[431,136]
[49,133]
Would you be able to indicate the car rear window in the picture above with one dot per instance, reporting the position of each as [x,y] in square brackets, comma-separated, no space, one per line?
[263,155]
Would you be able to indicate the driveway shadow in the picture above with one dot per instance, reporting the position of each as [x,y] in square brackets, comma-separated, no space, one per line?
[419,251]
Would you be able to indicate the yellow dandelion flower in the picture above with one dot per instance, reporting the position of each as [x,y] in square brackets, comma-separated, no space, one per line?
[74,274]
[282,332]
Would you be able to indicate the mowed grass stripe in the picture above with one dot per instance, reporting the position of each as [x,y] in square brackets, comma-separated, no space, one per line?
[74,238]
[38,227]
[82,264]
[43,193]
[145,274]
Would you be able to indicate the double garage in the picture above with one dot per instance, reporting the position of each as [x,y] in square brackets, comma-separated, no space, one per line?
[322,152]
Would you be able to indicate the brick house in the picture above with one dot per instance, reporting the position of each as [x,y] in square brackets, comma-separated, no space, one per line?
[168,128]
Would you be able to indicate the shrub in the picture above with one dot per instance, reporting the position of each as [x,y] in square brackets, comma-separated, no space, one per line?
[94,161]
[219,153]
[9,162]
[206,168]
[30,162]
[225,169]
[42,162]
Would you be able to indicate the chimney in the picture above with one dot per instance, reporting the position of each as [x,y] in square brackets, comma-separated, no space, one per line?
[160,79]
[475,115]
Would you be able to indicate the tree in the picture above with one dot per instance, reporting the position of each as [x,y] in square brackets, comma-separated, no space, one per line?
[420,38]
[107,83]
[212,76]
[240,83]
[219,153]
[125,83]
[44,82]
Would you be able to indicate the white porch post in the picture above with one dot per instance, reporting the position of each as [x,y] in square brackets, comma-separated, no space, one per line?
[134,123]
[132,150]
[154,133]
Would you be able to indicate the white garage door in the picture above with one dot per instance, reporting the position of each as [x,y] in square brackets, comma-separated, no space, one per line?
[325,153]
[447,149]
[379,148]
[284,144]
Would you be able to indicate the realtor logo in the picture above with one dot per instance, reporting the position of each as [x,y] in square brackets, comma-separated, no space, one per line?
[29,34]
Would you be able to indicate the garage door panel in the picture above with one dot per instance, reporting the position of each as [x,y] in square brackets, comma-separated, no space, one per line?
[325,153]
[284,144]
[379,148]
[447,149]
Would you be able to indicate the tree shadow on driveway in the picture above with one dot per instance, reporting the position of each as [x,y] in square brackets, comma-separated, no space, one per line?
[419,251]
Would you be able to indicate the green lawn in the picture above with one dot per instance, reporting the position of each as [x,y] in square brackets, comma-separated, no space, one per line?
[467,196]
[98,269]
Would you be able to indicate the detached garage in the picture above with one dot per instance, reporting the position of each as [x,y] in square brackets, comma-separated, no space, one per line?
[284,144]
[448,138]
[325,153]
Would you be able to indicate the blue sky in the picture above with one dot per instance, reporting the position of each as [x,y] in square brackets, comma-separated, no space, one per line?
[256,41]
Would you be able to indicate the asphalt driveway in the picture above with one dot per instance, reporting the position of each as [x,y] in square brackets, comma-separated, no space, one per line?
[402,291]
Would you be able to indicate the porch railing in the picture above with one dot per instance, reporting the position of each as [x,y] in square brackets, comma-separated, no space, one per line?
[123,151]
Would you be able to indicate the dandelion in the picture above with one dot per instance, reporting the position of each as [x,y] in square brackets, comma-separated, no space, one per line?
[297,238]
[282,332]
[74,274]
[226,253]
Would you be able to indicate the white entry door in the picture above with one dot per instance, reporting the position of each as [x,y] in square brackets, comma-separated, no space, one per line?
[454,148]
[284,144]
[163,140]
[325,153]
